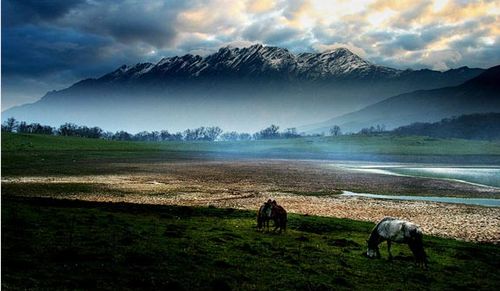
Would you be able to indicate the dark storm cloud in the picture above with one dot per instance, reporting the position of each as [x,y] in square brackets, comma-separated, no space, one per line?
[36,60]
[48,50]
[60,42]
[18,12]
[149,22]
[130,22]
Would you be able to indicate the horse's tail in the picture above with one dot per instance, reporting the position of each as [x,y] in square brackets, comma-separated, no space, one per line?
[285,219]
[417,246]
[279,216]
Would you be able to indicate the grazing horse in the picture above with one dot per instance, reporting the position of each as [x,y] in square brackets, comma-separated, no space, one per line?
[264,215]
[394,230]
[278,214]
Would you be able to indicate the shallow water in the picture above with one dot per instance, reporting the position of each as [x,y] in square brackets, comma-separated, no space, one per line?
[483,176]
[470,201]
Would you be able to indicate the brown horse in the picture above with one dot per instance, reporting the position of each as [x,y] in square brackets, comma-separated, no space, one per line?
[279,216]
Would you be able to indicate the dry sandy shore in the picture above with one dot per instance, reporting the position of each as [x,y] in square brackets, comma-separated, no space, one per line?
[470,223]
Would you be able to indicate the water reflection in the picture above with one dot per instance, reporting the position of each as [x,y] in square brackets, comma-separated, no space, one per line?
[470,201]
[483,176]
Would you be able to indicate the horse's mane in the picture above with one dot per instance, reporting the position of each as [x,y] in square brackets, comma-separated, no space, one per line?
[374,235]
[387,218]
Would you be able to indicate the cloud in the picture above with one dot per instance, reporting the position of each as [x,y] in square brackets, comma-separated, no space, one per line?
[84,38]
[38,51]
[128,22]
[17,12]
[270,32]
[357,50]
[441,60]
[410,42]
[260,6]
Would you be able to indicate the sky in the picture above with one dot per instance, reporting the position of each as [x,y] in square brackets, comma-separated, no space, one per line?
[49,45]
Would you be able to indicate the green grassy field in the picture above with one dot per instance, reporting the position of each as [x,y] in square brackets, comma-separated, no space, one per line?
[60,244]
[383,144]
[41,154]
[53,244]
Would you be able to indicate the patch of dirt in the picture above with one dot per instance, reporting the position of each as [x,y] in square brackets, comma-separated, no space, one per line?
[246,184]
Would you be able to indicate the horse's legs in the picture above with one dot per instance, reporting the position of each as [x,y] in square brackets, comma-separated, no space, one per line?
[389,249]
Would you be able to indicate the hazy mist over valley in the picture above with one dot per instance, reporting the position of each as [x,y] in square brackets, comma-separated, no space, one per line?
[242,89]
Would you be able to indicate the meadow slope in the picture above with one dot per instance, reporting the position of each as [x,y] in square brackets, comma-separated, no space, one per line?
[60,244]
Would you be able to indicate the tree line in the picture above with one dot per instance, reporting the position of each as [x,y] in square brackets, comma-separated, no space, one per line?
[210,133]
[484,126]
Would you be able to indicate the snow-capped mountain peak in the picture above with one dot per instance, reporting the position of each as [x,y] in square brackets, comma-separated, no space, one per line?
[256,61]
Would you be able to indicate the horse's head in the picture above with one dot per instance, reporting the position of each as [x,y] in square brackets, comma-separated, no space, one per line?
[372,253]
[372,250]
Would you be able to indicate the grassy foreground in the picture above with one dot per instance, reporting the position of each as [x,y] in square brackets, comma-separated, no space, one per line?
[24,154]
[60,244]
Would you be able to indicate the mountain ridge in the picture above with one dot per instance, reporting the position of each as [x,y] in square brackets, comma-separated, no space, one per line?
[241,89]
[334,63]
[250,61]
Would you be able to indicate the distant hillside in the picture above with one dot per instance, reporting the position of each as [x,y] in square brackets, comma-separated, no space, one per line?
[242,89]
[478,95]
[474,126]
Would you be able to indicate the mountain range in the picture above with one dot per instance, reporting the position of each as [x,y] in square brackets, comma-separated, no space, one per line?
[478,95]
[242,89]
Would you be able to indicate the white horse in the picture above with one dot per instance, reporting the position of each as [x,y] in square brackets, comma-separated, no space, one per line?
[394,230]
